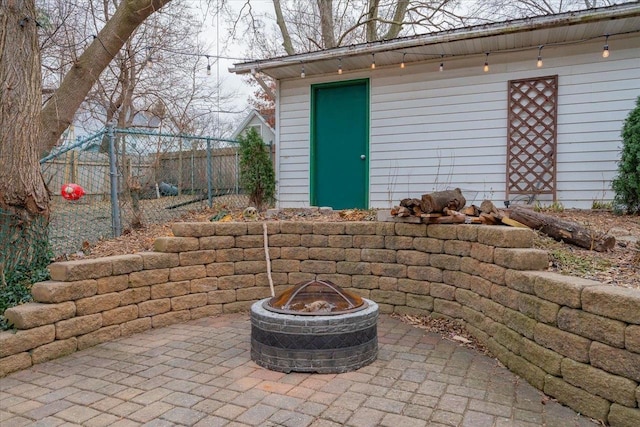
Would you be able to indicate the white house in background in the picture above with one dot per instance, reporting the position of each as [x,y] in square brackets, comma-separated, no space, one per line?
[503,111]
[255,120]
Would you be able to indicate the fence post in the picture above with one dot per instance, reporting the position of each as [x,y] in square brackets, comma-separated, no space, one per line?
[209,174]
[116,225]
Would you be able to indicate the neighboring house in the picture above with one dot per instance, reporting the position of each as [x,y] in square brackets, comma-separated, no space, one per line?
[505,111]
[255,120]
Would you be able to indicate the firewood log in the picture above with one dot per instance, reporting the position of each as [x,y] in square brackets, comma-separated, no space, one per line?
[438,200]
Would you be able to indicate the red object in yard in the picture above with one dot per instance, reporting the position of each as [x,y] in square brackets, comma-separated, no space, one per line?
[72,191]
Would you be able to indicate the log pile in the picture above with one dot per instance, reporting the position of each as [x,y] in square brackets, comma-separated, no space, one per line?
[448,207]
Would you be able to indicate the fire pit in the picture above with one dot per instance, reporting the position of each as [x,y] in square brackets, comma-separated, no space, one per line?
[314,327]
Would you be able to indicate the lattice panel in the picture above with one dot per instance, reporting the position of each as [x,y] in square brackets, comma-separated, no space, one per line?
[531,146]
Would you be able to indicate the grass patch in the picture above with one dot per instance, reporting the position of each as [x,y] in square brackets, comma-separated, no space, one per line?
[568,262]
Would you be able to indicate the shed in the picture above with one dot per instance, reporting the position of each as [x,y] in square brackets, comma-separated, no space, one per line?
[528,109]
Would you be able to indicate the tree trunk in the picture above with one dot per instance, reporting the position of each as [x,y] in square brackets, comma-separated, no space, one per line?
[562,230]
[22,189]
[58,113]
[398,19]
[372,21]
[326,23]
[439,200]
[286,38]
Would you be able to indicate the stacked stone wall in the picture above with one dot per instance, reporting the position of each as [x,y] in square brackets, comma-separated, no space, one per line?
[575,339]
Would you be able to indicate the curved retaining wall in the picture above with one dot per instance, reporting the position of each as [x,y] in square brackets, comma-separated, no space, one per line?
[575,339]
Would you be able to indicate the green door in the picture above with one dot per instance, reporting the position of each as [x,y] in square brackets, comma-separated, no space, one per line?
[340,144]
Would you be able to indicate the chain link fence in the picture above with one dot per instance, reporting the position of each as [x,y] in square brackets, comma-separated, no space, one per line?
[132,178]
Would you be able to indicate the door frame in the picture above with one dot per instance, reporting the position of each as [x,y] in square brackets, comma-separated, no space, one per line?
[312,131]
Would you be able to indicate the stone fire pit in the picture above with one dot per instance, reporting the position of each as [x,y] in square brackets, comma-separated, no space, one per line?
[314,327]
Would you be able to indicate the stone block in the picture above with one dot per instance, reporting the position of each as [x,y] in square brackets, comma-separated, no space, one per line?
[614,302]
[378,255]
[576,398]
[296,227]
[456,278]
[442,231]
[219,269]
[221,297]
[360,227]
[622,416]
[565,343]
[106,285]
[105,334]
[176,244]
[548,360]
[119,315]
[428,245]
[273,227]
[428,274]
[193,229]
[508,338]
[480,286]
[339,241]
[186,302]
[252,241]
[527,370]
[14,343]
[73,271]
[368,242]
[493,310]
[353,255]
[412,257]
[13,363]
[520,323]
[448,308]
[154,307]
[387,283]
[252,294]
[158,260]
[52,291]
[457,247]
[250,267]
[217,242]
[97,303]
[295,278]
[481,252]
[54,350]
[410,286]
[539,309]
[469,299]
[505,237]
[345,267]
[135,326]
[229,255]
[125,264]
[278,279]
[170,289]
[385,228]
[472,317]
[170,318]
[388,269]
[521,281]
[33,314]
[230,229]
[327,254]
[505,296]
[179,274]
[596,328]
[412,230]
[328,228]
[398,242]
[318,267]
[596,381]
[311,241]
[342,280]
[467,232]
[521,258]
[422,302]
[364,282]
[291,253]
[632,338]
[235,307]
[206,311]
[257,254]
[135,295]
[206,284]
[563,290]
[148,277]
[78,326]
[445,262]
[201,257]
[442,291]
[491,272]
[388,297]
[615,360]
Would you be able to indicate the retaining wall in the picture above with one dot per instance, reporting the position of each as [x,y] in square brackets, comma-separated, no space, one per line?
[575,339]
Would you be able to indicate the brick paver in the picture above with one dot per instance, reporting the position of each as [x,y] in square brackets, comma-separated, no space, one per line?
[200,374]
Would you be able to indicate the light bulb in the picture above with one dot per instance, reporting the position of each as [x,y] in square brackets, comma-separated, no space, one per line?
[208,69]
[486,63]
[539,63]
[302,73]
[605,51]
[441,66]
[402,64]
[340,66]
[373,61]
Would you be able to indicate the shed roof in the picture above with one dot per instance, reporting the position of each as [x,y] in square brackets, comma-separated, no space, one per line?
[521,34]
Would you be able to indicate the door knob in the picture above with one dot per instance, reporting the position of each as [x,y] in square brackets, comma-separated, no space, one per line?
[362,156]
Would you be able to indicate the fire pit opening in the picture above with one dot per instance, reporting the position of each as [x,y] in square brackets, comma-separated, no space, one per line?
[314,326]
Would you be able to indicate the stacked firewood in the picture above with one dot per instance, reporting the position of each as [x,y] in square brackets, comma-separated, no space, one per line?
[448,207]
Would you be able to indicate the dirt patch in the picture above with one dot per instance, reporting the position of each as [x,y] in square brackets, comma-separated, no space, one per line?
[618,267]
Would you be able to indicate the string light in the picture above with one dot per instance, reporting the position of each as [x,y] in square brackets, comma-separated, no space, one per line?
[441,63]
[486,63]
[302,73]
[605,49]
[149,60]
[402,63]
[539,63]
[373,61]
[208,66]
[339,65]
